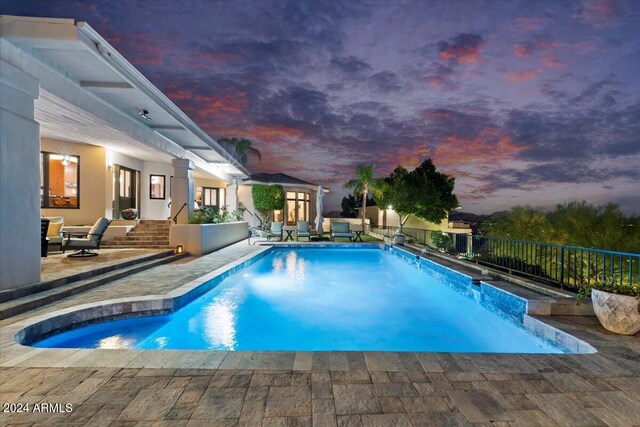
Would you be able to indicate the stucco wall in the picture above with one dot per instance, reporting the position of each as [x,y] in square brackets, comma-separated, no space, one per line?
[201,239]
[93,182]
[155,208]
[244,197]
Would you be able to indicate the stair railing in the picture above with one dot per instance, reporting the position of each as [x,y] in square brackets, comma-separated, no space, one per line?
[175,218]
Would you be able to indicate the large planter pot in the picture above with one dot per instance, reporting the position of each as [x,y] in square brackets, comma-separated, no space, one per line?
[617,313]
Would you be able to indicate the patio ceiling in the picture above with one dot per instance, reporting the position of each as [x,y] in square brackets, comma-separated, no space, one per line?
[75,52]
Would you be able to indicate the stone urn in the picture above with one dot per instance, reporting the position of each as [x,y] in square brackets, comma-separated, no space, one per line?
[617,313]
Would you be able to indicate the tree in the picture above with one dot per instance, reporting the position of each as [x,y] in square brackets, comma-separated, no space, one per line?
[362,184]
[522,222]
[266,199]
[348,206]
[423,192]
[350,203]
[240,149]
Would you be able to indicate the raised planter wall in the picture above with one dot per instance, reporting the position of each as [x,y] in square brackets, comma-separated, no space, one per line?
[201,239]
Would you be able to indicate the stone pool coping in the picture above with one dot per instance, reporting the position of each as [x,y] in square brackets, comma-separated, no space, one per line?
[30,329]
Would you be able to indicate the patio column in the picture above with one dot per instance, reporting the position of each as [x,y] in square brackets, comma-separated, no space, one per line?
[232,195]
[20,177]
[182,190]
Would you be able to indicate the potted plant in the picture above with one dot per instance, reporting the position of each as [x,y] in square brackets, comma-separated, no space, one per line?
[617,305]
[130,213]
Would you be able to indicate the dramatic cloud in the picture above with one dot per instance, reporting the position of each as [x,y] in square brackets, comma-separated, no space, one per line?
[519,76]
[523,102]
[462,48]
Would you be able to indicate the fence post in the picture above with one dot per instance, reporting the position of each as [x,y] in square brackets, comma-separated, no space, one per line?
[562,267]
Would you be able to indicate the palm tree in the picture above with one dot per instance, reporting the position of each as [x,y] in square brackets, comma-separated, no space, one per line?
[240,149]
[362,184]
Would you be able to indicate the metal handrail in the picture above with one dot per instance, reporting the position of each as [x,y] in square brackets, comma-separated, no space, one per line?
[175,218]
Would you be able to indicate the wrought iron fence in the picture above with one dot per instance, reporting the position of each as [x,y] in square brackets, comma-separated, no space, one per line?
[563,266]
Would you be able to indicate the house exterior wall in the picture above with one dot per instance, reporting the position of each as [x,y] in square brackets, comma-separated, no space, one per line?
[155,208]
[93,185]
[245,198]
[390,218]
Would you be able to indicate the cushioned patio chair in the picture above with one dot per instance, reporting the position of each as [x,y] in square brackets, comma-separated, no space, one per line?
[302,230]
[83,243]
[44,241]
[55,231]
[340,230]
[275,231]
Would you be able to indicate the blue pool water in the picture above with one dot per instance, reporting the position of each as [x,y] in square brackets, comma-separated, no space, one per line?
[321,299]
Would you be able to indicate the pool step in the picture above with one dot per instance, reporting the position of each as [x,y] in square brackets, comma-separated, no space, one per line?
[36,300]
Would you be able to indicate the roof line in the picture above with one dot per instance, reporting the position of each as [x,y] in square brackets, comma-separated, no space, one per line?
[103,48]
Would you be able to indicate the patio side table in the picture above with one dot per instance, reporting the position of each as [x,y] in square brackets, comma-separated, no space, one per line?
[289,229]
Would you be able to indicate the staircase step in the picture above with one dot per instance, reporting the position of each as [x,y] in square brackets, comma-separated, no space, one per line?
[39,299]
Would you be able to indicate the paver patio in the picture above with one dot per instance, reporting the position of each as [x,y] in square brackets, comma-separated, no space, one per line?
[319,388]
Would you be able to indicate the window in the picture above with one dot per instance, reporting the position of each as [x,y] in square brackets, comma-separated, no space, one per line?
[297,207]
[210,197]
[156,187]
[59,181]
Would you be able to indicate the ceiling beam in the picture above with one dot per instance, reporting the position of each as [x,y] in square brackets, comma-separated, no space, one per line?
[105,85]
[197,147]
[166,127]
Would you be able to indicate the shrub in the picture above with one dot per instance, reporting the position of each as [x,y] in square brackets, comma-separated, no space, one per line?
[266,199]
[442,241]
[610,284]
[208,215]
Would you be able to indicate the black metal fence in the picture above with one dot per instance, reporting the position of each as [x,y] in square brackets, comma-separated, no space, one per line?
[564,266]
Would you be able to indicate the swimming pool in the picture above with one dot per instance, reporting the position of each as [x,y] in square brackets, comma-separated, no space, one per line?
[316,299]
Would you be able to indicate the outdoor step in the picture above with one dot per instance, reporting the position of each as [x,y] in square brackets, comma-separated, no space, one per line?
[11,294]
[39,299]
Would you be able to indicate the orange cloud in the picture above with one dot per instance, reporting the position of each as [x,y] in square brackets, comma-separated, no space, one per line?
[521,51]
[600,13]
[221,57]
[531,24]
[263,132]
[489,147]
[464,48]
[553,62]
[520,76]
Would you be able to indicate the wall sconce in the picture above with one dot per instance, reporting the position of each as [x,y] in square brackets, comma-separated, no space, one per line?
[179,249]
[66,160]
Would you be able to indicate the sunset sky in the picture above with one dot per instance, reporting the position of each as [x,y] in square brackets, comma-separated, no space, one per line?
[523,102]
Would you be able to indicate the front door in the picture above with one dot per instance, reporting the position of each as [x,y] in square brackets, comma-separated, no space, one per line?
[126,190]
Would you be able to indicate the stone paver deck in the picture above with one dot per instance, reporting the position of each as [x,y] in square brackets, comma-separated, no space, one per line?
[58,265]
[319,388]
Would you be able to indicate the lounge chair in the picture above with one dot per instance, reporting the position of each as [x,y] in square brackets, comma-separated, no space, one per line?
[83,243]
[44,241]
[340,230]
[55,231]
[302,230]
[275,231]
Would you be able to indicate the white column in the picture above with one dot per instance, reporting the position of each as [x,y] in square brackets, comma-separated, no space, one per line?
[19,178]
[182,191]
[232,195]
